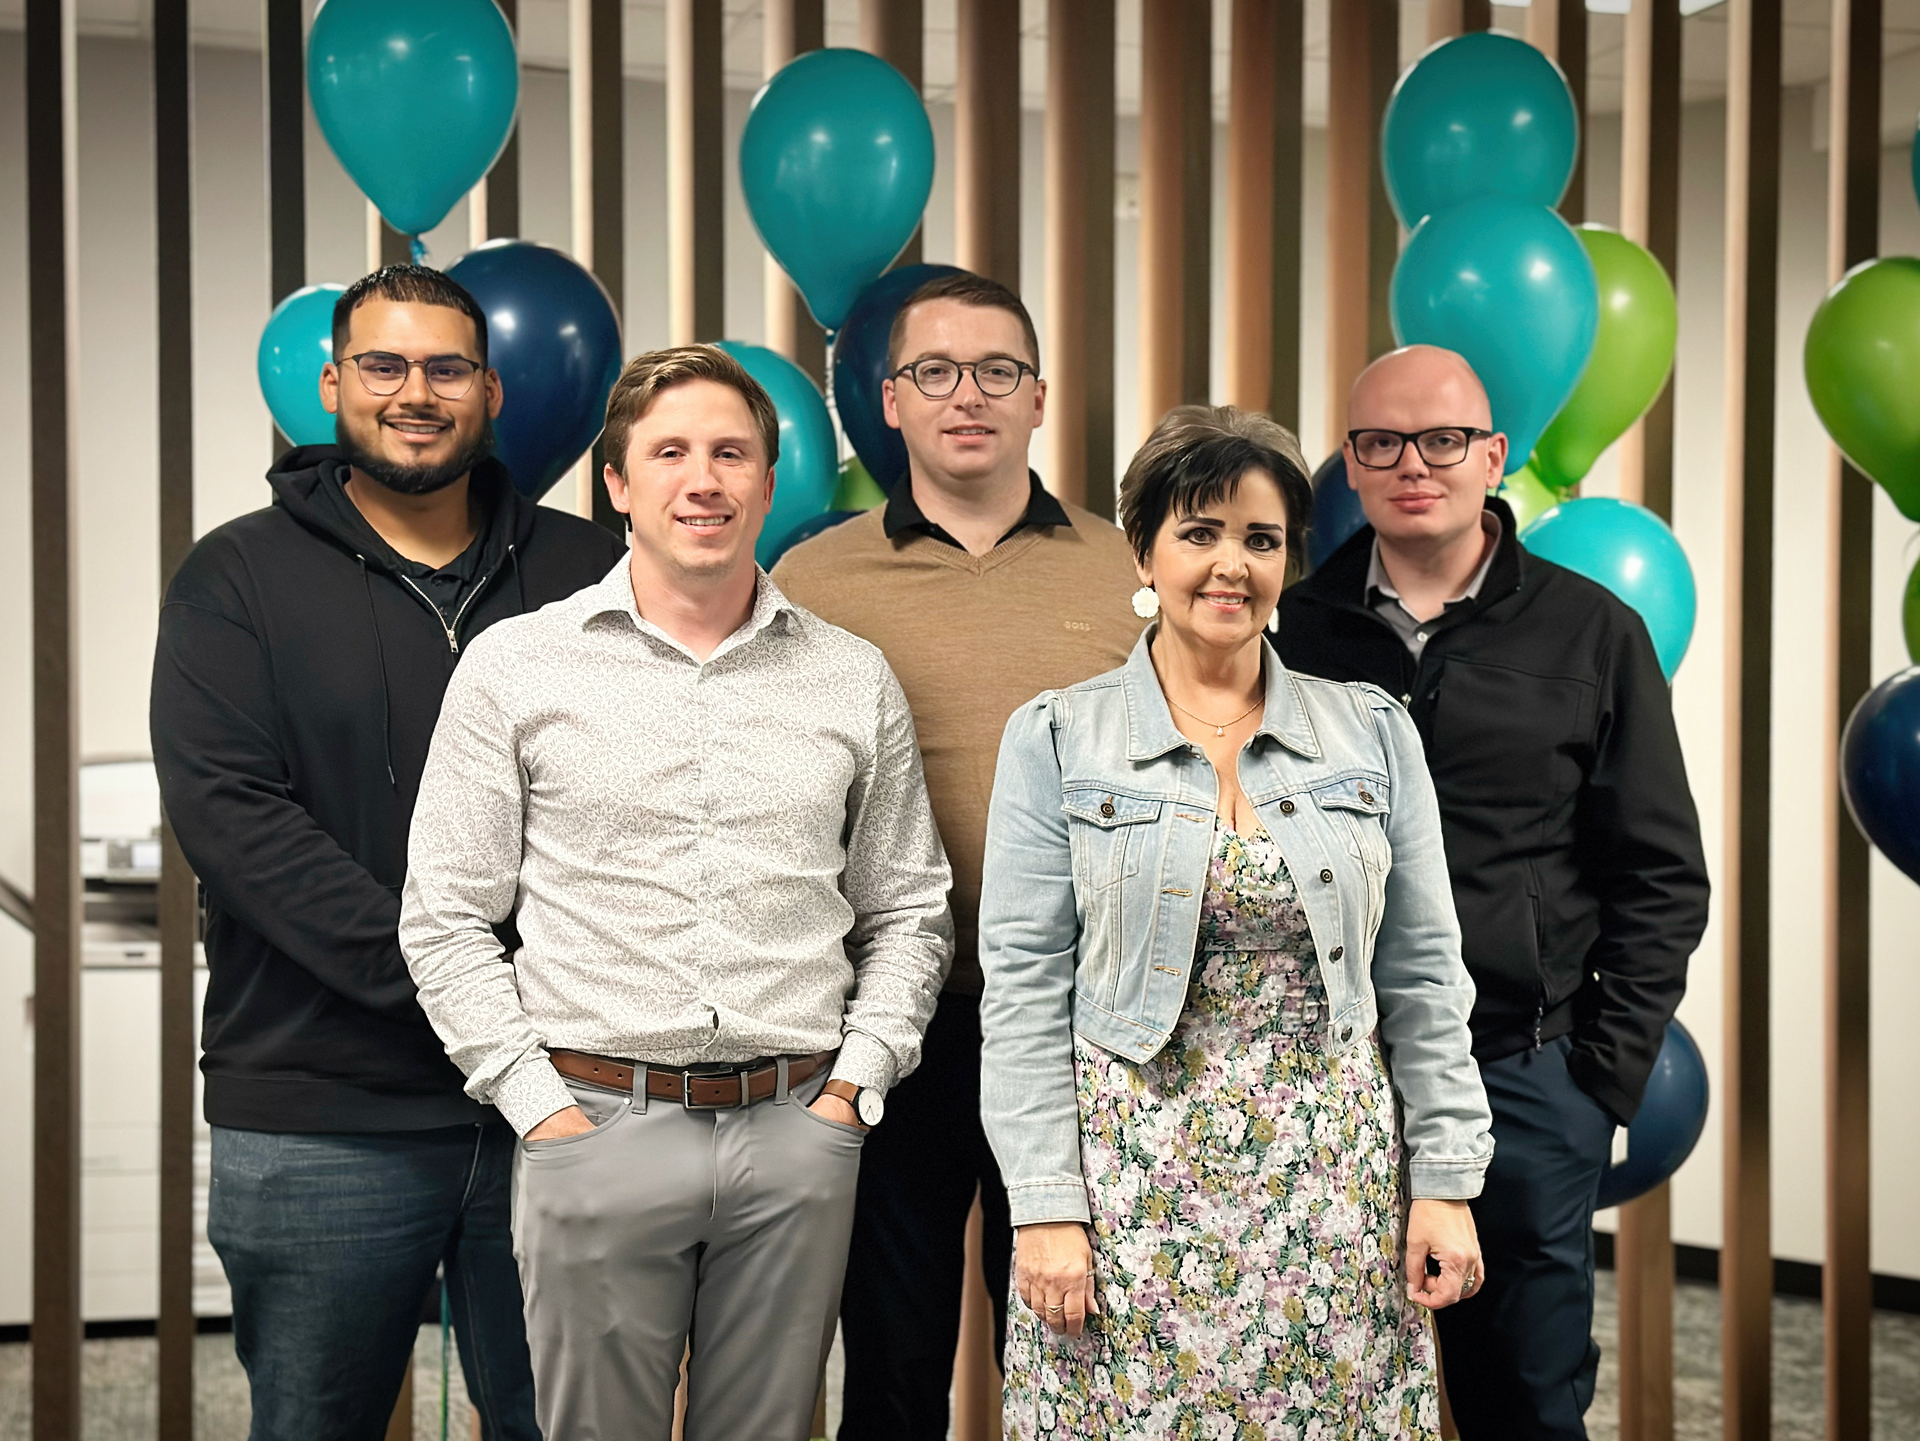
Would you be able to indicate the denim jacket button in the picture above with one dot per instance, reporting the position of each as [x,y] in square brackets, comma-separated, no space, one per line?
[1366,798]
[1336,953]
[1286,808]
[1346,1033]
[1326,878]
[1106,809]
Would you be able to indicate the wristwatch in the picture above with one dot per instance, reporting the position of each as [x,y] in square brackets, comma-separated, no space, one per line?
[868,1104]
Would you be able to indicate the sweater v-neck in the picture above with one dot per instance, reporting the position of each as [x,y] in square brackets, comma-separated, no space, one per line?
[1007,551]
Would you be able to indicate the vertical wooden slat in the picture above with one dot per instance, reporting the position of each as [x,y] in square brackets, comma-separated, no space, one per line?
[1079,237]
[696,174]
[1559,28]
[385,245]
[286,90]
[791,28]
[986,148]
[494,205]
[173,325]
[1362,235]
[895,30]
[1853,226]
[1643,1267]
[1264,129]
[1447,18]
[52,314]
[1752,265]
[1176,203]
[596,112]
[1650,215]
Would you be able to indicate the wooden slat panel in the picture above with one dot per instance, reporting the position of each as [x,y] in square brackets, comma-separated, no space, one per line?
[596,135]
[895,30]
[1853,235]
[696,174]
[1266,96]
[1079,232]
[495,201]
[1447,18]
[986,148]
[173,324]
[286,93]
[1362,235]
[1559,27]
[1643,1266]
[1650,215]
[1752,265]
[1176,164]
[52,313]
[790,28]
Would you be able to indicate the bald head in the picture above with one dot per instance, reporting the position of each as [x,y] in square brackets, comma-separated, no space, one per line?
[1418,387]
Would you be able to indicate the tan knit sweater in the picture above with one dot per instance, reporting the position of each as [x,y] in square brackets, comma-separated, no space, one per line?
[972,638]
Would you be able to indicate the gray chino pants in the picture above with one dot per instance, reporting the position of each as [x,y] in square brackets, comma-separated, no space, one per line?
[659,1228]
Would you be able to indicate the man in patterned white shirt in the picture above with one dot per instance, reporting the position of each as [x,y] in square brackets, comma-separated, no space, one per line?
[702,810]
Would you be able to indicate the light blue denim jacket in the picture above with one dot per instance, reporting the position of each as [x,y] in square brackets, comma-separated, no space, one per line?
[1099,836]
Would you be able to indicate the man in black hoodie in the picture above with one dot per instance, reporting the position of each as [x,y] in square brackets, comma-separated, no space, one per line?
[1571,841]
[302,656]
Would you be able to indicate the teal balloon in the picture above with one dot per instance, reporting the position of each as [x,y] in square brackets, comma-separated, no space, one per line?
[836,163]
[1480,115]
[416,97]
[1629,550]
[807,473]
[296,343]
[1508,285]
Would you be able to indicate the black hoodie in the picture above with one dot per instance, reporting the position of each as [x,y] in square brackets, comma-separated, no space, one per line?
[296,684]
[1570,831]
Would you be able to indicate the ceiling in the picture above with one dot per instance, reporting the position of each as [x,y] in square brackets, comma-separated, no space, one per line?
[543,33]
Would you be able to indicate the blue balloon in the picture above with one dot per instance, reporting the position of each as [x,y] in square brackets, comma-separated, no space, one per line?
[1479,115]
[554,337]
[1668,1123]
[1629,550]
[808,470]
[297,342]
[808,529]
[1337,516]
[860,364]
[1508,285]
[416,97]
[1880,769]
[836,163]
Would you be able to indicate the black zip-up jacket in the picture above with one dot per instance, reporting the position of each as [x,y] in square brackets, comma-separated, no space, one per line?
[296,684]
[1570,831]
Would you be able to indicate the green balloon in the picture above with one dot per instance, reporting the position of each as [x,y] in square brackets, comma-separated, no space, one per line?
[1632,356]
[1863,373]
[1910,616]
[857,489]
[1529,496]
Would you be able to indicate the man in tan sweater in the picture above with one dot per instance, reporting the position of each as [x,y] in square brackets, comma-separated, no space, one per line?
[982,590]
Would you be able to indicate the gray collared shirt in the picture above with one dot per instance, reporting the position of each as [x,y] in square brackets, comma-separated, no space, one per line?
[1385,601]
[707,862]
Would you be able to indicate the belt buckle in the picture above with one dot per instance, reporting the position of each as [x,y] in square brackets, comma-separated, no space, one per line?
[686,1092]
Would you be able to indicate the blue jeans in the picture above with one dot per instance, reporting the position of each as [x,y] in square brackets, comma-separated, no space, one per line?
[330,1243]
[1520,1357]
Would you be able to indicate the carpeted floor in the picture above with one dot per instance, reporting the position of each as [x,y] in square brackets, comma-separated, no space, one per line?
[119,1404]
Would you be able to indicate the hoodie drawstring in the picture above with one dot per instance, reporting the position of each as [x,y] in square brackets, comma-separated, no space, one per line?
[519,581]
[386,693]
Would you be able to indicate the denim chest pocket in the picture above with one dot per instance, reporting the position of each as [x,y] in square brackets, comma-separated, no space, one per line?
[1107,834]
[1357,809]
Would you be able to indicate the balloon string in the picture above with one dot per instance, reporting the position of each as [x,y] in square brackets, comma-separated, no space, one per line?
[419,249]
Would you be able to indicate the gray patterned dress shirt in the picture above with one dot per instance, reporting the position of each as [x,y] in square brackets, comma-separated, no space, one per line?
[707,862]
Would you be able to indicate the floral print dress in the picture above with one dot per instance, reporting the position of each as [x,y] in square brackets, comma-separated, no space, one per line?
[1247,1213]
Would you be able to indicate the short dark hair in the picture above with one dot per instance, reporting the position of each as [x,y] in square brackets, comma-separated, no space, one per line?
[647,375]
[406,285]
[1196,457]
[969,289]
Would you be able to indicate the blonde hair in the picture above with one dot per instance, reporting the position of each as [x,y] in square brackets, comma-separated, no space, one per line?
[646,376]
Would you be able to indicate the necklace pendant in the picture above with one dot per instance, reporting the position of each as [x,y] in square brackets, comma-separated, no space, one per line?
[1219,730]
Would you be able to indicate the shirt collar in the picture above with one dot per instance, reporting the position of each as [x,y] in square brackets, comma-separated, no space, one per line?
[1379,584]
[904,513]
[614,594]
[1151,730]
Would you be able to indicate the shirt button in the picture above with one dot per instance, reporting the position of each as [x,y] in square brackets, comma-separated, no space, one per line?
[1419,635]
[1326,878]
[1336,953]
[1286,808]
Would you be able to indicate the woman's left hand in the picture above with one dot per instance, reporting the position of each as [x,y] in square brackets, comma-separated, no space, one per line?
[1445,1231]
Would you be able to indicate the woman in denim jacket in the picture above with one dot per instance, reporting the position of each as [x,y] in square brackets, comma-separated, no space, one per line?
[1226,1065]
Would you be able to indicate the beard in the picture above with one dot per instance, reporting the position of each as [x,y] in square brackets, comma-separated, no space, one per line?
[414,479]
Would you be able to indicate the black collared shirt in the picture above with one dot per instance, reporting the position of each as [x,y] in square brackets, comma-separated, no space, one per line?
[903,513]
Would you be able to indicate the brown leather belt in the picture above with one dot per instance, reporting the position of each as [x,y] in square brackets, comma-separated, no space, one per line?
[696,1090]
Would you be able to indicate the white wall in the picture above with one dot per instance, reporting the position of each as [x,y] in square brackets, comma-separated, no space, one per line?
[118,570]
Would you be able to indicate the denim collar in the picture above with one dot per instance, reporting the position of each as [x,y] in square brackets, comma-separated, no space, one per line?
[1150,728]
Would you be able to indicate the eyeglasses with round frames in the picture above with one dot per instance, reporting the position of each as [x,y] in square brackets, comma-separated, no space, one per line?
[1441,446]
[937,377]
[383,373]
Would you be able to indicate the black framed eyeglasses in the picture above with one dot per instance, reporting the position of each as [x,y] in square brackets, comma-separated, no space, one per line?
[937,377]
[383,373]
[1442,446]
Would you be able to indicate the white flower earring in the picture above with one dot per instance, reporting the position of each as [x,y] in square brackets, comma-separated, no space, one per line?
[1146,602]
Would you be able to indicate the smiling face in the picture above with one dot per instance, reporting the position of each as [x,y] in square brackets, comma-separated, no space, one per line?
[967,436]
[1411,502]
[697,485]
[1219,571]
[413,441]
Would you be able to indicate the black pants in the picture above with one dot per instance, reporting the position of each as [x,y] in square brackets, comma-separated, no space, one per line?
[1520,1356]
[900,1311]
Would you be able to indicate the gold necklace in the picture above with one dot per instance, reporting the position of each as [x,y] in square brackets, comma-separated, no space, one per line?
[1219,727]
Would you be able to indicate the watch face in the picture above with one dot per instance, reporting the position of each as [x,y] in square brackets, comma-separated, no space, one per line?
[870,1106]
